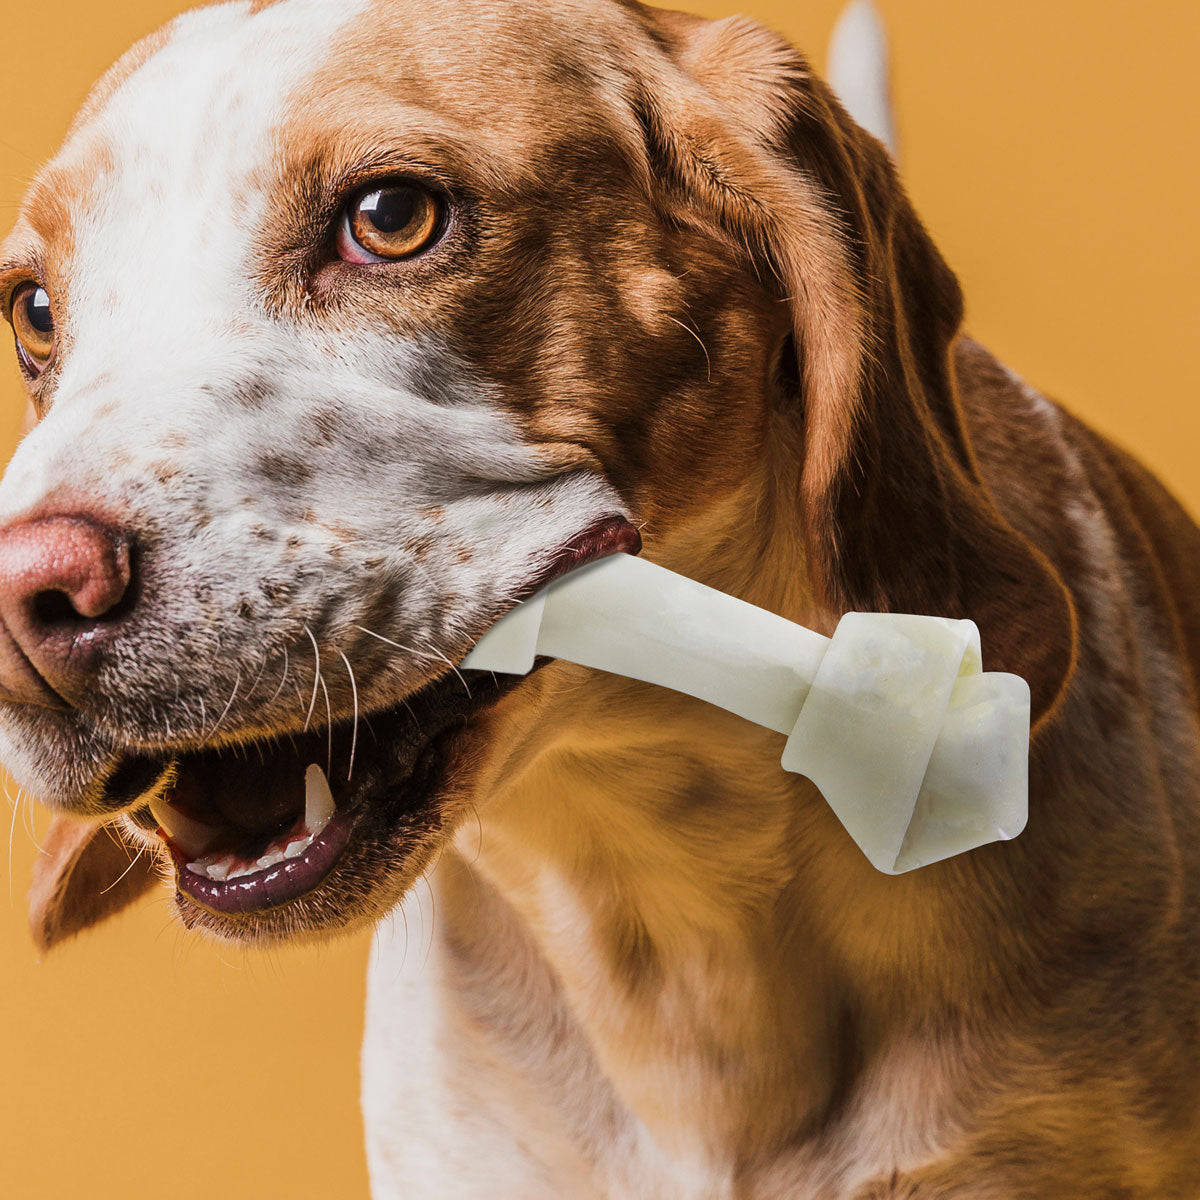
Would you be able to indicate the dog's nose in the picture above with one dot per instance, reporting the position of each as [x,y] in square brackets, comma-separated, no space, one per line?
[62,579]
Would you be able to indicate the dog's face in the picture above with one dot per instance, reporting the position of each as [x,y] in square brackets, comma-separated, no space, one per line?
[358,330]
[349,325]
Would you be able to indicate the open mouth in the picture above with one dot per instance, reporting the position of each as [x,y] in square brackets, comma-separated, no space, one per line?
[255,826]
[262,824]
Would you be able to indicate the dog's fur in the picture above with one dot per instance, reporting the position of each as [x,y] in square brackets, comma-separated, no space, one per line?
[685,287]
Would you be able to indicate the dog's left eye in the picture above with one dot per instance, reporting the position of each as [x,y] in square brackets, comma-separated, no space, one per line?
[389,223]
[33,323]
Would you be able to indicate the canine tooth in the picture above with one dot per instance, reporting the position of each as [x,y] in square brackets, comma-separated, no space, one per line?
[192,837]
[297,848]
[318,799]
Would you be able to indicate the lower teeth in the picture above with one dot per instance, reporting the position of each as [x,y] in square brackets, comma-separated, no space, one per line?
[319,807]
[224,866]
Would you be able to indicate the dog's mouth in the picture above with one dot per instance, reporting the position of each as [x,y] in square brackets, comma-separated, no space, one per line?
[261,824]
[325,824]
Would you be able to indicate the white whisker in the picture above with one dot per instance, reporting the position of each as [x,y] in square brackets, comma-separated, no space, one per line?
[229,703]
[354,734]
[398,645]
[461,677]
[329,731]
[283,680]
[316,677]
[132,863]
[26,805]
[12,828]
[261,669]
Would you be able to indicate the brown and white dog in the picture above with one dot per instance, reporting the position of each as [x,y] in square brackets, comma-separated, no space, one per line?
[351,323]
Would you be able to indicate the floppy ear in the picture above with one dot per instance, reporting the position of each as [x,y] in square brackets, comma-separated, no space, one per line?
[745,141]
[86,872]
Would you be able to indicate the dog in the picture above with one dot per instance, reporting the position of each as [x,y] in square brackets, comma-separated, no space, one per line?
[350,325]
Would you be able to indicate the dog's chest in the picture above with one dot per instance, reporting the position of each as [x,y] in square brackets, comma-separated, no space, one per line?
[466,1100]
[444,1119]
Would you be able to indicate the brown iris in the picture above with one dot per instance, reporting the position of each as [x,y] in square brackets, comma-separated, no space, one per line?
[390,223]
[33,323]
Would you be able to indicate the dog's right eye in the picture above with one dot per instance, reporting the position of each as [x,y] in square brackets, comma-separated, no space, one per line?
[33,323]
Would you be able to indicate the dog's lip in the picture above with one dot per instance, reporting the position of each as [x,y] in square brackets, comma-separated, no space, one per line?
[279,884]
[274,885]
[609,534]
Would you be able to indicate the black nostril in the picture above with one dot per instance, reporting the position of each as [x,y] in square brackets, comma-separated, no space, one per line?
[53,608]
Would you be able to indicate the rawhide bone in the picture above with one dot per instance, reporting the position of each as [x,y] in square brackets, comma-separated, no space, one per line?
[920,752]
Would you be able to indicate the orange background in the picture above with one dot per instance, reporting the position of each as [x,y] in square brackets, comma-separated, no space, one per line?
[1050,146]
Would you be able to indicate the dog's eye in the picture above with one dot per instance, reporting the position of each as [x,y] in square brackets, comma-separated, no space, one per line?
[389,223]
[33,323]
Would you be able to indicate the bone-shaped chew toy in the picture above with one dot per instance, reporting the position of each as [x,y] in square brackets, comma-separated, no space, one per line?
[919,752]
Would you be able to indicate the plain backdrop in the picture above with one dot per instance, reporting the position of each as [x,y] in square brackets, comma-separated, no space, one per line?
[1050,146]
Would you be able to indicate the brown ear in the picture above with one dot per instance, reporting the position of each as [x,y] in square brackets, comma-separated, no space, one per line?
[86,872]
[745,140]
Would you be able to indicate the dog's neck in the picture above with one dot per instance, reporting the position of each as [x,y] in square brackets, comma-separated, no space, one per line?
[684,913]
[653,885]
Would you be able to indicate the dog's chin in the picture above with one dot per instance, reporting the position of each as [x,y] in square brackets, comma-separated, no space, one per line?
[264,852]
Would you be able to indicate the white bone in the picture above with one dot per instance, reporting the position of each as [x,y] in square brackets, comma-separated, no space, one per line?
[920,753]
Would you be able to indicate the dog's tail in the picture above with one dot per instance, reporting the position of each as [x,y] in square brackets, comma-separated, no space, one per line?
[858,70]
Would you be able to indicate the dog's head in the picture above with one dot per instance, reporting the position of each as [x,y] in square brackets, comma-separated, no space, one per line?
[349,325]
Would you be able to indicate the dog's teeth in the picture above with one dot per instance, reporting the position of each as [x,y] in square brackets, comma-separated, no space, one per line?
[213,866]
[270,860]
[318,800]
[297,848]
[192,837]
